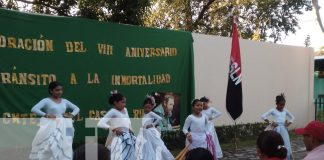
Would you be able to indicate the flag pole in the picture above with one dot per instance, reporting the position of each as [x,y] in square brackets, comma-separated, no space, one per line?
[235,136]
[235,126]
[234,87]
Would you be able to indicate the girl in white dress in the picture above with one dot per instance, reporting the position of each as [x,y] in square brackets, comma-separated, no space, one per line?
[149,145]
[55,136]
[212,113]
[195,129]
[121,140]
[279,123]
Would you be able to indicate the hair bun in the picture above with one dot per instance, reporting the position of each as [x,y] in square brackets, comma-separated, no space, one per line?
[115,96]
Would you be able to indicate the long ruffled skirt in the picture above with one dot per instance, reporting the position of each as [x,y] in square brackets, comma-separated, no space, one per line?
[123,147]
[149,146]
[212,132]
[282,130]
[53,140]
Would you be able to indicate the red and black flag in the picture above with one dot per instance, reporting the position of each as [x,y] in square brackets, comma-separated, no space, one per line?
[234,104]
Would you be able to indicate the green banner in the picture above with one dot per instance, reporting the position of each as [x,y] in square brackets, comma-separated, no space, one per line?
[91,58]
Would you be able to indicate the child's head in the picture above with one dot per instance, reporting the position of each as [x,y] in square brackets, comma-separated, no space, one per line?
[55,89]
[94,150]
[270,145]
[280,101]
[117,99]
[196,106]
[205,101]
[199,154]
[148,104]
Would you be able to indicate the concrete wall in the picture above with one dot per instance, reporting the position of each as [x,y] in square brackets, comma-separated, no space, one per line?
[267,70]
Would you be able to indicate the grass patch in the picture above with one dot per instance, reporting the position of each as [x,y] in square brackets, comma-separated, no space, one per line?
[241,144]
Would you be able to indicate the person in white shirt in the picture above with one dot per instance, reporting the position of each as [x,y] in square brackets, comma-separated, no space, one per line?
[212,113]
[195,129]
[121,139]
[314,139]
[279,115]
[55,136]
[149,145]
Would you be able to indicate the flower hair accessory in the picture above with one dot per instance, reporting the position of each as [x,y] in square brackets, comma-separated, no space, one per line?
[113,92]
[280,146]
[152,99]
[156,94]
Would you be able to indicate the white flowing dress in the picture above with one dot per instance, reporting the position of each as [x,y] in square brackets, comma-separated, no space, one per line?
[211,114]
[54,138]
[279,117]
[149,145]
[122,147]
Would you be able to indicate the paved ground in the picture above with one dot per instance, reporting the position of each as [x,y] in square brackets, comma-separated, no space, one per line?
[249,153]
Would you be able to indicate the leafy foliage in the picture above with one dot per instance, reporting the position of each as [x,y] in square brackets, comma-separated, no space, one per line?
[258,19]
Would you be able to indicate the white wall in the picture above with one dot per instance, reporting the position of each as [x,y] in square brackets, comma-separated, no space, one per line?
[267,70]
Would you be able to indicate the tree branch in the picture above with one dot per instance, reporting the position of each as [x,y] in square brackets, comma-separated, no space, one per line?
[40,3]
[317,8]
[202,12]
[188,13]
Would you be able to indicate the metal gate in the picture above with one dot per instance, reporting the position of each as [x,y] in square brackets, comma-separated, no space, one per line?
[319,109]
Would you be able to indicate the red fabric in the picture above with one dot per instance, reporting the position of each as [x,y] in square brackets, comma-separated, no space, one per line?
[235,52]
[234,100]
[314,128]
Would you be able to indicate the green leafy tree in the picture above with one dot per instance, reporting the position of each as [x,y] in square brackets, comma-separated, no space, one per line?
[53,7]
[320,52]
[258,19]
[9,4]
[120,11]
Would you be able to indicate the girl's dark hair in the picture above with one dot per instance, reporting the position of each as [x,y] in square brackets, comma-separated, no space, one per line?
[148,101]
[280,98]
[204,99]
[53,85]
[193,102]
[80,152]
[158,97]
[271,144]
[115,97]
[199,154]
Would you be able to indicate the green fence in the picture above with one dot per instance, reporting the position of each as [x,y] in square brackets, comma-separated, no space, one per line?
[319,109]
